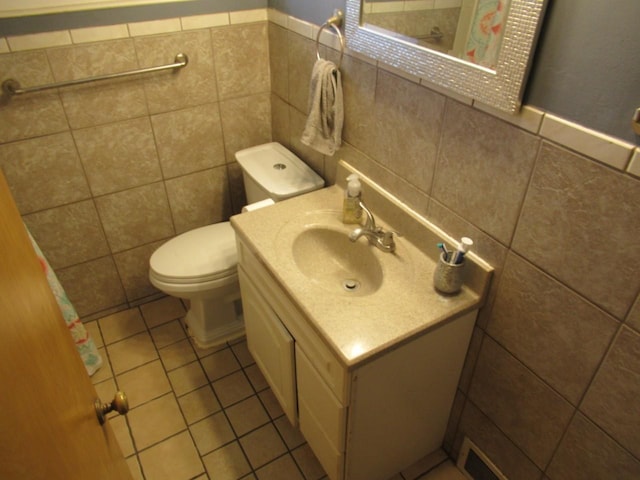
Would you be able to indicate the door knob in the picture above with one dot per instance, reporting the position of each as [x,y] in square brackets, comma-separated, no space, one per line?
[119,404]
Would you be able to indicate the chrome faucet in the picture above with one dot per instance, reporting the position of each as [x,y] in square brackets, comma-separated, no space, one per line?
[376,235]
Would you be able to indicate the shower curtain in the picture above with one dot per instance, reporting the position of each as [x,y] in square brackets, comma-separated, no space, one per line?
[486,32]
[84,344]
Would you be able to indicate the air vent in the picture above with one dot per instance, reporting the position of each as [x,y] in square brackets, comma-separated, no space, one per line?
[475,464]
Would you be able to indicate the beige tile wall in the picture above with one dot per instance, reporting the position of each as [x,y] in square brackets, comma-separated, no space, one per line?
[104,173]
[551,386]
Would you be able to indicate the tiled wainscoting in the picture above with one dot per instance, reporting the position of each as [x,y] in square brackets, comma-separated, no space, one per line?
[103,173]
[551,385]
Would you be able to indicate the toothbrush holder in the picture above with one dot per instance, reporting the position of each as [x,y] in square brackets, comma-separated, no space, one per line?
[448,277]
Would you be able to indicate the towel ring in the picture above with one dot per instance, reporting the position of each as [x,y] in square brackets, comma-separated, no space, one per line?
[332,22]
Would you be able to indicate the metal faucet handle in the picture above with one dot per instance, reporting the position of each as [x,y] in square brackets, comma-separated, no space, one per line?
[387,238]
[370,221]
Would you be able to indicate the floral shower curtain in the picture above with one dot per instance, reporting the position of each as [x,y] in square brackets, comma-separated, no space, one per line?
[84,344]
[486,31]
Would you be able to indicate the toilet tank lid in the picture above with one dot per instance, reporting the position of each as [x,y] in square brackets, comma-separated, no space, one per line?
[278,171]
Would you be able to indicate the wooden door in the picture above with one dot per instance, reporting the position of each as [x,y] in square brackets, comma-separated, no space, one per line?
[48,424]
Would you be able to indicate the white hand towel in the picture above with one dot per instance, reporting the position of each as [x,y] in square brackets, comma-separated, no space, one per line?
[323,129]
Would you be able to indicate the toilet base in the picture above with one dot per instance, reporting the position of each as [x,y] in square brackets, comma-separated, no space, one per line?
[213,321]
[221,335]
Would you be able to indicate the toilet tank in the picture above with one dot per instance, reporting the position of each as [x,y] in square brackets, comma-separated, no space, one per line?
[272,171]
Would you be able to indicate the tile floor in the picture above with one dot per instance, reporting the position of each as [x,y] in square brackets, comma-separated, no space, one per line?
[202,414]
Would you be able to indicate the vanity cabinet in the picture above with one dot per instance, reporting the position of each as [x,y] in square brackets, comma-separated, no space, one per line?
[272,347]
[363,421]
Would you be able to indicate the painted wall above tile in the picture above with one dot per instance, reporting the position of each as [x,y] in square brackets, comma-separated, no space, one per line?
[119,15]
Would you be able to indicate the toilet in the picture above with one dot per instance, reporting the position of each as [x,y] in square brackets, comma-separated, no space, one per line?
[201,265]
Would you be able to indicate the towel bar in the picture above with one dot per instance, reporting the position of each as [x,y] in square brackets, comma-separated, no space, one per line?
[334,22]
[12,87]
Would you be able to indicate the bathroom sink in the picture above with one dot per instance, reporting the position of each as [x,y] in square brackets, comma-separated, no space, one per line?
[360,299]
[328,258]
[314,252]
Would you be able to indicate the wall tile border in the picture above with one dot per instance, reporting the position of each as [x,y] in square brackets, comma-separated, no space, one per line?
[99,34]
[603,148]
[634,164]
[600,147]
[248,16]
[154,27]
[606,149]
[37,41]
[205,21]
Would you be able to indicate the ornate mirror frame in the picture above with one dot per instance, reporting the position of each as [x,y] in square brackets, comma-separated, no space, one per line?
[500,88]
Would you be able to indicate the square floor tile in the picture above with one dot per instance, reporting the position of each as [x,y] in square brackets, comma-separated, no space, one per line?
[177,355]
[283,467]
[425,464]
[232,389]
[205,352]
[155,421]
[446,471]
[144,383]
[242,353]
[131,352]
[104,372]
[173,459]
[121,431]
[199,404]
[220,364]
[308,463]
[211,433]
[168,333]
[271,403]
[134,468]
[94,332]
[256,378]
[162,311]
[291,435]
[121,325]
[106,390]
[227,463]
[262,445]
[187,378]
[247,415]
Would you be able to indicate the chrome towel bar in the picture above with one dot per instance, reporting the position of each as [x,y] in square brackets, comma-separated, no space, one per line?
[333,22]
[12,87]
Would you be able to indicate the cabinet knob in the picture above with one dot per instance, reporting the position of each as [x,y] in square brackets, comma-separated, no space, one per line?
[119,404]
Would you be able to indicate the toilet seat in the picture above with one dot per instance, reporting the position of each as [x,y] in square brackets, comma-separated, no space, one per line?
[197,256]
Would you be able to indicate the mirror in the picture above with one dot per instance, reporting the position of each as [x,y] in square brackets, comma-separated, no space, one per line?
[480,49]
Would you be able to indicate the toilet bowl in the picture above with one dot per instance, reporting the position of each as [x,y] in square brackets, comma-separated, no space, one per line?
[201,265]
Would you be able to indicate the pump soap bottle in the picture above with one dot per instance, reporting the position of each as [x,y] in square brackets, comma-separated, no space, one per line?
[351,209]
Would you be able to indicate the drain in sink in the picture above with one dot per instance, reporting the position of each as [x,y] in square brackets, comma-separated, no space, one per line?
[350,284]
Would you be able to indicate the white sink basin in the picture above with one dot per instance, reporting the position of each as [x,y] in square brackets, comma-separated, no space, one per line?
[328,258]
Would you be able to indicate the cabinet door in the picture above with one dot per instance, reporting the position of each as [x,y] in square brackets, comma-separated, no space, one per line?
[322,417]
[271,345]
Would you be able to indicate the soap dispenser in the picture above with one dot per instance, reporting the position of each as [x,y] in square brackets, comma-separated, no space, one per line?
[351,209]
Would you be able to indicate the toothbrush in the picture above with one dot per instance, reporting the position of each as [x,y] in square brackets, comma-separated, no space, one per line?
[444,250]
[463,247]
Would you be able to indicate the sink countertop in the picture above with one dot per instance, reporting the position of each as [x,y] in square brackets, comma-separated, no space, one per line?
[356,327]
